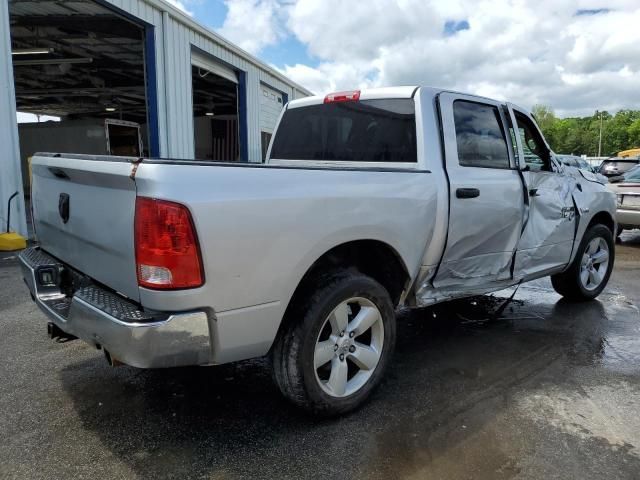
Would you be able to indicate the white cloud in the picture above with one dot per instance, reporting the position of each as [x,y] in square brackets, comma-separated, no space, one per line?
[253,24]
[180,5]
[526,51]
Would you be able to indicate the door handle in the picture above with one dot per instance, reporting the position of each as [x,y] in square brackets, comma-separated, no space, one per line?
[467,193]
[534,192]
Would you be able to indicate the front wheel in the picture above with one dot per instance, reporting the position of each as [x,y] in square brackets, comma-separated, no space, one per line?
[591,268]
[335,346]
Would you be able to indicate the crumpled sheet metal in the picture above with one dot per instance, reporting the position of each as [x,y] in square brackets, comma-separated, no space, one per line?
[475,270]
[546,240]
[427,295]
[478,252]
[593,177]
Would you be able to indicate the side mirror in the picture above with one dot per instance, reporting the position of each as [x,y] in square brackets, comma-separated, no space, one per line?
[616,179]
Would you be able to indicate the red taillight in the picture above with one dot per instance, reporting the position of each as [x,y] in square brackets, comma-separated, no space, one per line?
[167,252]
[353,96]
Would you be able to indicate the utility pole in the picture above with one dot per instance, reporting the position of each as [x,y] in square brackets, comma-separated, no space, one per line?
[600,140]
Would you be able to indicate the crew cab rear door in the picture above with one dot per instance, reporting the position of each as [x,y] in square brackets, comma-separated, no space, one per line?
[485,193]
[550,222]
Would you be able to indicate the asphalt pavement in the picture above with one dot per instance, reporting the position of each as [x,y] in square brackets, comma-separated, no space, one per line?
[550,389]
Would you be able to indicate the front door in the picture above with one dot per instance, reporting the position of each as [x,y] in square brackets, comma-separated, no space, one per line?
[550,220]
[485,194]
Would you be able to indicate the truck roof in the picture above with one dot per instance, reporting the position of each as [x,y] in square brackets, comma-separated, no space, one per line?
[365,94]
[375,93]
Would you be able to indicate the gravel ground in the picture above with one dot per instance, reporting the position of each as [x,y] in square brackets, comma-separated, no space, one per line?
[549,390]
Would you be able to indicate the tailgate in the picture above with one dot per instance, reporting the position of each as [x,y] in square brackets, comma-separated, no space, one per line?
[97,197]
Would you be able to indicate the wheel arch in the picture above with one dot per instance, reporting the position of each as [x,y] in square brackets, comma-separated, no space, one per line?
[374,258]
[603,218]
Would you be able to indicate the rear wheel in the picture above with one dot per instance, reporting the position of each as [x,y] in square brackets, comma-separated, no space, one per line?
[335,347]
[590,271]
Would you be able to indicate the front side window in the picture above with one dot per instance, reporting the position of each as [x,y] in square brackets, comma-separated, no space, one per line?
[536,155]
[479,135]
[363,131]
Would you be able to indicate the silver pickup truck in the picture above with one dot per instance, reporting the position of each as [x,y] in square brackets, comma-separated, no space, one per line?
[369,200]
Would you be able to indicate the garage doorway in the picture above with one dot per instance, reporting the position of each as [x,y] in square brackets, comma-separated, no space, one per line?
[215,110]
[80,75]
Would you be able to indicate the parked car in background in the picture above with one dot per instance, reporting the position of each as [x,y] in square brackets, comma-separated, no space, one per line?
[368,201]
[612,167]
[627,190]
[579,163]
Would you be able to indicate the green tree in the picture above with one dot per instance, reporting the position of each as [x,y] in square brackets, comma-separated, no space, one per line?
[616,134]
[634,134]
[580,135]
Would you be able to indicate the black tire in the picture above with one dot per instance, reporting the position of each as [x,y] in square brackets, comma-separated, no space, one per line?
[293,352]
[619,231]
[568,283]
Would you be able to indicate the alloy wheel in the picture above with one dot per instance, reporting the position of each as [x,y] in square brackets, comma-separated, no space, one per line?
[594,264]
[348,347]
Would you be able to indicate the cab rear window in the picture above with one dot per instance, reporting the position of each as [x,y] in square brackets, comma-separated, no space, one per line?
[363,131]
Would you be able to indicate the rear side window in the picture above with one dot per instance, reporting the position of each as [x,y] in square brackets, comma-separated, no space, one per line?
[479,135]
[364,131]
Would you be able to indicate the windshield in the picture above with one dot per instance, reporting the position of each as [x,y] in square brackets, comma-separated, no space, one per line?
[364,131]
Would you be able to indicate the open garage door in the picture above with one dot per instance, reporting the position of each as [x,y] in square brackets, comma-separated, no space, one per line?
[82,66]
[215,110]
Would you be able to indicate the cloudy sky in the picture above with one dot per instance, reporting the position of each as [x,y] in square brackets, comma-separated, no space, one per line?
[576,56]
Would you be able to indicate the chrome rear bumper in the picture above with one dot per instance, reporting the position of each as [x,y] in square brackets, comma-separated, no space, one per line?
[102,318]
[628,218]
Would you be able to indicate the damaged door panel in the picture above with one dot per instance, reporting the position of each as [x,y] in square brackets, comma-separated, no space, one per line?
[485,194]
[549,233]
